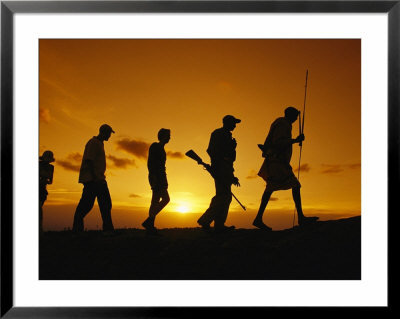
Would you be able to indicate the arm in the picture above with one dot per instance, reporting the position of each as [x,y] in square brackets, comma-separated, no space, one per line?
[50,179]
[282,137]
[213,146]
[89,164]
[298,139]
[46,174]
[235,181]
[154,160]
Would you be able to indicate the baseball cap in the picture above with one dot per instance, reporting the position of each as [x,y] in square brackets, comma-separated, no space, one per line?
[230,119]
[106,128]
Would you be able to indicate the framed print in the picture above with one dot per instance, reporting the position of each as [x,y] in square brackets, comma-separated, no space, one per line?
[196,156]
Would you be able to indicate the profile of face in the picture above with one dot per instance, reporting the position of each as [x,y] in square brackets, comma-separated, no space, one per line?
[164,138]
[107,135]
[230,125]
[291,114]
[293,117]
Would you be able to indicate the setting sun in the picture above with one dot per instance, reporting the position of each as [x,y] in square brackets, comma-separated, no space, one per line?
[188,86]
[182,208]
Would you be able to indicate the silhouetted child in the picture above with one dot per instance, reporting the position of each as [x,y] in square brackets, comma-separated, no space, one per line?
[92,176]
[276,169]
[157,178]
[46,171]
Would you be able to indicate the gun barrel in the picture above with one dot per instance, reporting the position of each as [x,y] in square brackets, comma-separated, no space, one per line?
[192,154]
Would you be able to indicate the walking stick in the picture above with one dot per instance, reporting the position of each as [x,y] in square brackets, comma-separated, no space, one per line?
[301,131]
[244,208]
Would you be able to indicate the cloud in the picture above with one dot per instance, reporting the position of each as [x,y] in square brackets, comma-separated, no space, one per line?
[177,155]
[337,168]
[354,166]
[134,196]
[138,149]
[118,162]
[72,162]
[69,166]
[332,169]
[304,168]
[76,157]
[44,115]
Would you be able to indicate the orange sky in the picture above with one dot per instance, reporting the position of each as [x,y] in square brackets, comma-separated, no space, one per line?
[139,86]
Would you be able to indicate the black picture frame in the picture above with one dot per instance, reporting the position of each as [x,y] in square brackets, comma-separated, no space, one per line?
[9,8]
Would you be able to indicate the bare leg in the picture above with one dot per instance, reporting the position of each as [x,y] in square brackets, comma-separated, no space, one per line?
[264,202]
[159,200]
[164,200]
[297,200]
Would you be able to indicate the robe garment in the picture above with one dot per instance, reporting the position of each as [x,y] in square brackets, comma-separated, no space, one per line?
[277,150]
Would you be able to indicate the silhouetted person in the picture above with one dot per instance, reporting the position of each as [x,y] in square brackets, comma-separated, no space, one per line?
[276,169]
[222,152]
[46,171]
[157,178]
[92,177]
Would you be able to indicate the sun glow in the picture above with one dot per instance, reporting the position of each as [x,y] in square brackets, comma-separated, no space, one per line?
[182,208]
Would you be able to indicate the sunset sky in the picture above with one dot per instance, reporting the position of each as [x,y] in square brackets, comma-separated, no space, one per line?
[140,86]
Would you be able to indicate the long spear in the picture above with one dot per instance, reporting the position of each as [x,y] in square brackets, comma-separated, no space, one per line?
[301,131]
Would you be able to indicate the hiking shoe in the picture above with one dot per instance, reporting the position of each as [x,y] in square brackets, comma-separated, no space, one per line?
[307,220]
[148,225]
[261,225]
[205,226]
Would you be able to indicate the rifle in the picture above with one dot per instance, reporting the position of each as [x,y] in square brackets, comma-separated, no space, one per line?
[192,154]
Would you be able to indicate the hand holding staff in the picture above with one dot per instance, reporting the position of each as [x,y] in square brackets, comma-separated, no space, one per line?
[301,133]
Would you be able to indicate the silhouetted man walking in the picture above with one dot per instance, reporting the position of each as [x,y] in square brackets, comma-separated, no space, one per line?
[92,177]
[222,151]
[46,171]
[276,169]
[157,177]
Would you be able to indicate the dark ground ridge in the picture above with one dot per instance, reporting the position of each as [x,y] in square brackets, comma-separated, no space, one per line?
[327,250]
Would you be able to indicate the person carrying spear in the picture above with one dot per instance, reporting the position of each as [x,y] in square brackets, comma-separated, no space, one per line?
[276,169]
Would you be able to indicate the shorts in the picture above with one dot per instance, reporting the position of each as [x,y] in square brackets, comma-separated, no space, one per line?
[158,182]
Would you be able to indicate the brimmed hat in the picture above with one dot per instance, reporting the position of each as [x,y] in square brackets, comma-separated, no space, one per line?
[106,128]
[230,119]
[47,156]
